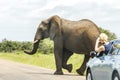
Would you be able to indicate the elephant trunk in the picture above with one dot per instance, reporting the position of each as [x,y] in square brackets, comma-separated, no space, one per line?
[35,47]
[37,38]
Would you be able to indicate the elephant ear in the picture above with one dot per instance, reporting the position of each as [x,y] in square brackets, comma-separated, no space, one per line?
[54,27]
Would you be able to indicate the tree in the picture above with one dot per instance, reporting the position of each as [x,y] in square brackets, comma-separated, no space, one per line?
[110,34]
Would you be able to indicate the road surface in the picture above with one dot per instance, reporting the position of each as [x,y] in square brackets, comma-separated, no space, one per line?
[16,71]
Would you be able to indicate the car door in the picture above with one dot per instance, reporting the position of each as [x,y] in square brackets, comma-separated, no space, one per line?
[107,64]
[97,68]
[106,67]
[101,68]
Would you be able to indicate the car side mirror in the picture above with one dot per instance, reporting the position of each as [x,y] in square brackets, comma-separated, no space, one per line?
[93,54]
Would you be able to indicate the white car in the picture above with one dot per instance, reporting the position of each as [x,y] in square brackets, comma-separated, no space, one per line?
[105,67]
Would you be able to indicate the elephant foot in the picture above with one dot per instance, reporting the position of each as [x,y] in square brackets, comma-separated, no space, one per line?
[70,67]
[58,73]
[80,72]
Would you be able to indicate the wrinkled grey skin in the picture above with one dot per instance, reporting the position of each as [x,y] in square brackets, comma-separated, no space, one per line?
[69,37]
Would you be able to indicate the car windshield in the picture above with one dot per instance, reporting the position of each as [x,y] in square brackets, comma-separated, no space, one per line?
[115,49]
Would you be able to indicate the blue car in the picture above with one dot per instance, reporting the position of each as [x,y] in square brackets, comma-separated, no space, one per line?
[105,67]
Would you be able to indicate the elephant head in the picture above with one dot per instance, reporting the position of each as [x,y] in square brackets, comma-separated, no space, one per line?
[47,28]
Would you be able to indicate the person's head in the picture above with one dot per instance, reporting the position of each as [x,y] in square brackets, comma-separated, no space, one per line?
[103,38]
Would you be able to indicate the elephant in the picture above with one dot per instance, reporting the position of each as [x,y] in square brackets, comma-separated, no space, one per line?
[68,37]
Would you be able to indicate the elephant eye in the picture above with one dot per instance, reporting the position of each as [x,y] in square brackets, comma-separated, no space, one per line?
[40,29]
[44,23]
[43,28]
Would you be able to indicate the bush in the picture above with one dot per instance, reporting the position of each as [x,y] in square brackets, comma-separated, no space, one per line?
[26,46]
[10,46]
[7,46]
[46,46]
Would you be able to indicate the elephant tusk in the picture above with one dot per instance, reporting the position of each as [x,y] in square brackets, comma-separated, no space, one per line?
[35,41]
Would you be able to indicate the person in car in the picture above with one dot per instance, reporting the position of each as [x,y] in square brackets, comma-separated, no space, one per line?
[104,47]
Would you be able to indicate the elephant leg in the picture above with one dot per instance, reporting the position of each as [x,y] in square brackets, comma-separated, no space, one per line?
[81,70]
[66,56]
[58,51]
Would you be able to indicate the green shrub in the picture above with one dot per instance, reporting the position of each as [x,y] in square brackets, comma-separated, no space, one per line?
[46,46]
[7,46]
[10,46]
[26,46]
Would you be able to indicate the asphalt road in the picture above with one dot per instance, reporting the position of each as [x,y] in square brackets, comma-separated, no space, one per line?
[16,71]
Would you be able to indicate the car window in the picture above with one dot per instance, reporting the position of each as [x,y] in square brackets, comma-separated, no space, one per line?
[115,51]
[119,51]
[115,47]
